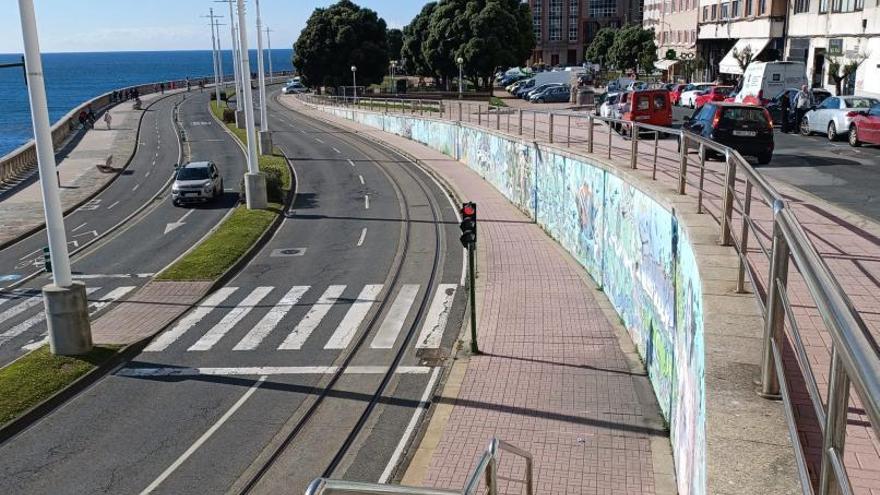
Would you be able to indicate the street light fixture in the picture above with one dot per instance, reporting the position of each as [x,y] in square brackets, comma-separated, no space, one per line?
[65,301]
[393,86]
[354,84]
[460,62]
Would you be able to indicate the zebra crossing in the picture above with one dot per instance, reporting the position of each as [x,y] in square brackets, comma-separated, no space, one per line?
[219,321]
[24,311]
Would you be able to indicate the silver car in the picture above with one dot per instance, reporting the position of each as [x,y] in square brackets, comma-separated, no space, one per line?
[195,182]
[832,117]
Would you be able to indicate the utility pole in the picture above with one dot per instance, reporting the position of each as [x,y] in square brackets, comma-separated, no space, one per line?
[219,58]
[265,135]
[236,65]
[254,180]
[65,301]
[269,41]
[215,55]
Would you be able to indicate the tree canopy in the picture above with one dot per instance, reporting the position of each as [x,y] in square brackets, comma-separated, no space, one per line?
[337,37]
[597,50]
[395,43]
[414,35]
[633,48]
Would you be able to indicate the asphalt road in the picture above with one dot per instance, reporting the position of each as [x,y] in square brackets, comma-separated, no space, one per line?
[834,171]
[115,266]
[211,399]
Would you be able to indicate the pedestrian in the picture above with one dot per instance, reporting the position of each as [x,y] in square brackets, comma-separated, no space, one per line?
[201,85]
[803,103]
[82,119]
[162,87]
[785,106]
[187,85]
[107,119]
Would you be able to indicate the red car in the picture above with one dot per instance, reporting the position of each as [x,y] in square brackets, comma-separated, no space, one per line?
[676,91]
[717,93]
[864,128]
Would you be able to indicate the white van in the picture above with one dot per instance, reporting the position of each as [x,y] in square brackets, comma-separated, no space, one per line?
[763,81]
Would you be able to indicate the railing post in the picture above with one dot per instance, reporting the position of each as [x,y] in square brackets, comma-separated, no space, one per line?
[508,121]
[609,140]
[702,178]
[744,240]
[534,125]
[498,118]
[682,163]
[729,193]
[590,124]
[835,424]
[519,115]
[459,111]
[492,477]
[634,146]
[421,107]
[568,132]
[550,127]
[774,319]
[479,115]
[656,146]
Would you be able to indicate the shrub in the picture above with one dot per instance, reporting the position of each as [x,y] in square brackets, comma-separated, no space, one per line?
[228,115]
[274,186]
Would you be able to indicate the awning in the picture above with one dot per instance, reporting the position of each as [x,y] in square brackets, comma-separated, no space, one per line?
[665,64]
[729,64]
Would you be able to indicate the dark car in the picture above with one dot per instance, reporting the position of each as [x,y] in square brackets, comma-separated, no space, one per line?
[746,128]
[775,105]
[552,94]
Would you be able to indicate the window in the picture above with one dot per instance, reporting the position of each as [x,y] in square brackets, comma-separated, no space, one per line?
[642,103]
[734,8]
[536,19]
[847,5]
[823,6]
[573,12]
[705,13]
[762,7]
[659,102]
[801,6]
[874,111]
[830,103]
[725,10]
[555,20]
[714,11]
[749,7]
[603,8]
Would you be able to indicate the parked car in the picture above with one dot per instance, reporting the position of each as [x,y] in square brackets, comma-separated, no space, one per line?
[774,106]
[675,92]
[650,106]
[865,127]
[618,85]
[689,97]
[524,87]
[834,115]
[763,81]
[746,128]
[636,86]
[553,94]
[511,88]
[528,95]
[610,101]
[716,93]
[196,181]
[294,88]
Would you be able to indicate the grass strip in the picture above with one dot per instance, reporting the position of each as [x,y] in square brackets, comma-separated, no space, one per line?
[37,375]
[497,102]
[224,247]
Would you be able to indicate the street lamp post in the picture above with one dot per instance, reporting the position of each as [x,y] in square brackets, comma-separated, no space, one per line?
[354,83]
[236,66]
[219,61]
[254,180]
[393,86]
[265,134]
[269,42]
[218,75]
[65,301]
[460,62]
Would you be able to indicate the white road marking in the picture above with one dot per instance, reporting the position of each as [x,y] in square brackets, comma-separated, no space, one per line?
[390,329]
[271,320]
[464,263]
[112,275]
[319,140]
[230,320]
[438,314]
[351,162]
[180,223]
[27,303]
[353,318]
[158,371]
[363,236]
[135,188]
[204,438]
[110,297]
[31,254]
[111,206]
[366,201]
[361,177]
[79,227]
[410,427]
[313,318]
[33,320]
[336,150]
[148,172]
[190,320]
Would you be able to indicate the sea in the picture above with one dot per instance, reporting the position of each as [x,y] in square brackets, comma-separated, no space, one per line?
[72,78]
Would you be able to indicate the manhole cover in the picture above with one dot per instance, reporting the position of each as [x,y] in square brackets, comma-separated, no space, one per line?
[287,252]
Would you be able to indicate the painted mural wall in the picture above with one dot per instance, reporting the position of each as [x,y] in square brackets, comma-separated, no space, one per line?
[630,244]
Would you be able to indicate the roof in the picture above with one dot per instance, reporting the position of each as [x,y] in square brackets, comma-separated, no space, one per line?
[196,164]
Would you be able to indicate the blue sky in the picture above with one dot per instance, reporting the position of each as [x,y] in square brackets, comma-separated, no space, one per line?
[120,25]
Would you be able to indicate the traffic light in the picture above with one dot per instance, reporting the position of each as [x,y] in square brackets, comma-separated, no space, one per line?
[468,224]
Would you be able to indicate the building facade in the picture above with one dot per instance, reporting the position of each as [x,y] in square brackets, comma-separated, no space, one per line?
[563,27]
[821,32]
[675,28]
[728,27]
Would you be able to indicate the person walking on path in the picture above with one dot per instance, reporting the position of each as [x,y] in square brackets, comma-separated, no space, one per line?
[785,106]
[108,120]
[803,102]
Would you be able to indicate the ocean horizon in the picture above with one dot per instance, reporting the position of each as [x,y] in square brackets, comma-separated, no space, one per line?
[75,77]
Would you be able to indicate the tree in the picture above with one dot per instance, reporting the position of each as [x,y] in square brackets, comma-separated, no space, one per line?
[337,37]
[492,43]
[414,35]
[597,50]
[839,70]
[633,48]
[395,43]
[447,32]
[743,57]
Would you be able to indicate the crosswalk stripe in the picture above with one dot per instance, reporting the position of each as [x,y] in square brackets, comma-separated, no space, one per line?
[230,320]
[110,297]
[271,320]
[387,334]
[438,314]
[190,320]
[356,313]
[33,320]
[313,318]
[21,307]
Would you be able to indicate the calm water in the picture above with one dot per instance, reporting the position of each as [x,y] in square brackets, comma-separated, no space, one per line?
[72,78]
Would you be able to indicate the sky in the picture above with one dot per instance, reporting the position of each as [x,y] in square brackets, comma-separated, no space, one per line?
[138,25]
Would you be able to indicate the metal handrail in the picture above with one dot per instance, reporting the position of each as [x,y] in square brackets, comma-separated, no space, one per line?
[855,356]
[487,468]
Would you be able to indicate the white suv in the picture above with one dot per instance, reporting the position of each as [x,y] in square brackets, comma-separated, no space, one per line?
[196,181]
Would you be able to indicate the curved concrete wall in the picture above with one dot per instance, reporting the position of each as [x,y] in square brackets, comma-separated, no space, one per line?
[629,242]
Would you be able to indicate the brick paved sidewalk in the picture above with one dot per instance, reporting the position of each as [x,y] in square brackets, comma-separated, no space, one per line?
[558,378]
[80,178]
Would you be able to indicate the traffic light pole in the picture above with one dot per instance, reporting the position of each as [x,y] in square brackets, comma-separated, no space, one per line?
[472,257]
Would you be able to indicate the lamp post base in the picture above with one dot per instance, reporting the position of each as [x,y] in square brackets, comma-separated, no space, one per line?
[255,191]
[266,142]
[239,119]
[67,317]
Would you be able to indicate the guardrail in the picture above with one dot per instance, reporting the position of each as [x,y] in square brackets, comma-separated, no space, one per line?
[487,469]
[774,253]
